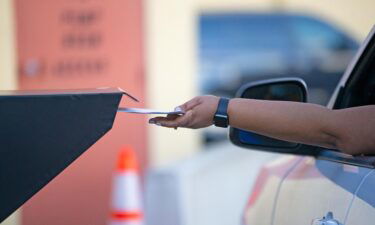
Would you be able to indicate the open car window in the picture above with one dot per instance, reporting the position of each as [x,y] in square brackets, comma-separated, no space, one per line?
[360,87]
[356,89]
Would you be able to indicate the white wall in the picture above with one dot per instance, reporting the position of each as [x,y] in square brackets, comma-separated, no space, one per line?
[8,77]
[171,74]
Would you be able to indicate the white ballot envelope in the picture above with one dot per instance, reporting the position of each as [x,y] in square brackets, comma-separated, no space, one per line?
[149,111]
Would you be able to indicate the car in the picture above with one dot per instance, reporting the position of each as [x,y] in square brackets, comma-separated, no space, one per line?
[313,185]
[236,48]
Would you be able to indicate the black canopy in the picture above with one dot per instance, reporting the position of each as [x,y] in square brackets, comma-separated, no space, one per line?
[43,132]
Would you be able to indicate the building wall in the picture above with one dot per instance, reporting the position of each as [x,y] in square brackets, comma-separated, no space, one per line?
[83,44]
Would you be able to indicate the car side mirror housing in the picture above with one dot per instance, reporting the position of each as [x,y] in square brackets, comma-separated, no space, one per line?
[282,89]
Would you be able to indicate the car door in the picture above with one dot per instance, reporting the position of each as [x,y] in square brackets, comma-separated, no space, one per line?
[362,210]
[360,90]
[315,188]
[334,186]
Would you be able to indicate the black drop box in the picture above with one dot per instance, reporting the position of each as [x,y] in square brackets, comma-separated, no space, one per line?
[42,132]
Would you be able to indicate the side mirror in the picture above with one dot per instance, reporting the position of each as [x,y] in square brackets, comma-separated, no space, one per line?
[282,89]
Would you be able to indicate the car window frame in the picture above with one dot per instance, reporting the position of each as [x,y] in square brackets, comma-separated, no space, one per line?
[354,70]
[350,71]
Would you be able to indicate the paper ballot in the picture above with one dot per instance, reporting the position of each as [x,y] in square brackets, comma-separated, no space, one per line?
[149,111]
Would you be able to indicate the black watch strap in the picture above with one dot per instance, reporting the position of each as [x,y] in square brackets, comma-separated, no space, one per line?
[221,116]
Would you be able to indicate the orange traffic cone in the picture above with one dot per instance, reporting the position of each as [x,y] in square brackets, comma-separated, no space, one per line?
[126,199]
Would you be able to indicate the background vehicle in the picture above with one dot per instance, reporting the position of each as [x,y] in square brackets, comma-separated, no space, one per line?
[240,48]
[317,185]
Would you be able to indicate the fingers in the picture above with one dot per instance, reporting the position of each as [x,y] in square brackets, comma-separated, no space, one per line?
[158,119]
[173,121]
[172,116]
[181,121]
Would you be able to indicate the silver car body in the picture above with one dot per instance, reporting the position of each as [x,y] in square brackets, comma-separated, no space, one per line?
[297,190]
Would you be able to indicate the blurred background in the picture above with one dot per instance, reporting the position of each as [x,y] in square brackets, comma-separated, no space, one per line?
[164,53]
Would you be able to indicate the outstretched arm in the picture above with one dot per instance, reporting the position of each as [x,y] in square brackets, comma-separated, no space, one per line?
[350,130]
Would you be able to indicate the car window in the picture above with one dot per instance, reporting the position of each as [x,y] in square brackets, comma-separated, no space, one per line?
[233,44]
[360,88]
[238,48]
[234,32]
[314,35]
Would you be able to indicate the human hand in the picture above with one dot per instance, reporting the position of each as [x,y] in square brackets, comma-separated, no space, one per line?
[199,113]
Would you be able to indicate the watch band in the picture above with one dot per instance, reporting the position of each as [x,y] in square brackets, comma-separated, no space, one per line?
[221,116]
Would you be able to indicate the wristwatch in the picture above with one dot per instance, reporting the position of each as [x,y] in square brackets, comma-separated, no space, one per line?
[221,118]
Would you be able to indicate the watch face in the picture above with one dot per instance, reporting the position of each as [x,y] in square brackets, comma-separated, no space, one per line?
[221,120]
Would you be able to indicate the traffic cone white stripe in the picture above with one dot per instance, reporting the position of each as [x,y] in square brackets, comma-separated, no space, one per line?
[126,192]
